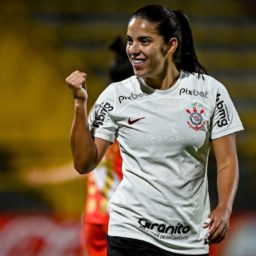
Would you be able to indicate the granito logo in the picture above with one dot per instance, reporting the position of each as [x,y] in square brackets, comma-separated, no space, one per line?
[101,112]
[203,94]
[221,111]
[163,228]
[132,96]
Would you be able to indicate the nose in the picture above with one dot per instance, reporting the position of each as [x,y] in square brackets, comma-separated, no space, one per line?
[133,49]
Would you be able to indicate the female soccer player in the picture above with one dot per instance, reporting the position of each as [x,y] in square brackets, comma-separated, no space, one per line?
[165,119]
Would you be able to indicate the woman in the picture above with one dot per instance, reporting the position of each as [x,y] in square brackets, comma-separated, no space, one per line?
[165,119]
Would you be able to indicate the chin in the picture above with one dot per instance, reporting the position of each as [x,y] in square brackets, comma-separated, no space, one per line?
[139,73]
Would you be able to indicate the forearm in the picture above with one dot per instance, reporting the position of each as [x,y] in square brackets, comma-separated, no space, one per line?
[82,145]
[227,182]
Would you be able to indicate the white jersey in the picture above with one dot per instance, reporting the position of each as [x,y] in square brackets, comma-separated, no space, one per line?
[164,136]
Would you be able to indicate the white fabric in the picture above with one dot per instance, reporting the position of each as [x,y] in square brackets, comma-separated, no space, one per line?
[164,137]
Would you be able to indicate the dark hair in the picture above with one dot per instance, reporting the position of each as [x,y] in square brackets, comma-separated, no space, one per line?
[121,67]
[174,24]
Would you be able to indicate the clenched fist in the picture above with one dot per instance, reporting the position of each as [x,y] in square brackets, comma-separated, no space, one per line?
[76,82]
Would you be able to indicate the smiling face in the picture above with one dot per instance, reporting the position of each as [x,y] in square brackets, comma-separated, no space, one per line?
[147,50]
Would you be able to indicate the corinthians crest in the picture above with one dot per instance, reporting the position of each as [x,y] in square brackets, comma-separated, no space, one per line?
[196,120]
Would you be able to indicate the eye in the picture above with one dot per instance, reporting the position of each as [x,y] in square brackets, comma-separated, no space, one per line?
[129,41]
[145,41]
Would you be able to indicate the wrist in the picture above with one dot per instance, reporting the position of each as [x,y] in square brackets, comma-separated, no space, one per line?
[80,102]
[80,94]
[225,208]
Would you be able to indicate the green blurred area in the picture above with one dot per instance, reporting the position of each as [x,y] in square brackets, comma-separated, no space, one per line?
[41,42]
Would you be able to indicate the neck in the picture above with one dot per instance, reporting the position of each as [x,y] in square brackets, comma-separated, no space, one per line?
[164,83]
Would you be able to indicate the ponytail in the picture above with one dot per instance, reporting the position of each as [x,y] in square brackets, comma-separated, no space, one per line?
[174,24]
[186,57]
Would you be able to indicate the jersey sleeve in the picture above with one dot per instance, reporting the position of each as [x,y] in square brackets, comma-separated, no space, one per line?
[225,118]
[101,123]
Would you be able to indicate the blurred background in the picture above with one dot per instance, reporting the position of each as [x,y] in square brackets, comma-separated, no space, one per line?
[41,42]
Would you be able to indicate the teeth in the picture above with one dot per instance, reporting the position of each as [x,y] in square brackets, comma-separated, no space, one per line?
[137,61]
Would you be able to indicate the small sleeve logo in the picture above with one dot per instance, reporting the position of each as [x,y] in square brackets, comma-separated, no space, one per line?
[101,111]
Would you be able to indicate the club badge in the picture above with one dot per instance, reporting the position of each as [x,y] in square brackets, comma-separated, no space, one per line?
[196,120]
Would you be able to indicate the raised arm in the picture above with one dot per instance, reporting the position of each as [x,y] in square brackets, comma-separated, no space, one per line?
[87,152]
[227,180]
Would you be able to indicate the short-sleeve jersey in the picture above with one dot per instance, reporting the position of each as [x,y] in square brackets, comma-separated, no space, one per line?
[164,137]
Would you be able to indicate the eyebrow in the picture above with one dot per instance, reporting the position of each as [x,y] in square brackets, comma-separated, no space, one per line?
[140,37]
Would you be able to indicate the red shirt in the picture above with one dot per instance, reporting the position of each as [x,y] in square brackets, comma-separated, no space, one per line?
[100,183]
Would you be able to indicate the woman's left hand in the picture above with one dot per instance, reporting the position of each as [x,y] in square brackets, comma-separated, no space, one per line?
[219,225]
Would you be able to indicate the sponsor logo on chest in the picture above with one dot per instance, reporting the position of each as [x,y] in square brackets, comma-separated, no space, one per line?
[194,92]
[132,96]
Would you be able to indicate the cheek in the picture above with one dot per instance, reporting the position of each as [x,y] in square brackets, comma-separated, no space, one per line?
[158,61]
[157,55]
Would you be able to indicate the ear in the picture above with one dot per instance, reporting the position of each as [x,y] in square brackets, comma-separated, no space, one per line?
[172,45]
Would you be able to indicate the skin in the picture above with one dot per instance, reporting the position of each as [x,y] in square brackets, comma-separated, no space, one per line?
[149,55]
[227,180]
[152,60]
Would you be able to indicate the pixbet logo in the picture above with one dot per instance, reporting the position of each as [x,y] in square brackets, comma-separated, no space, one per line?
[203,94]
[132,96]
